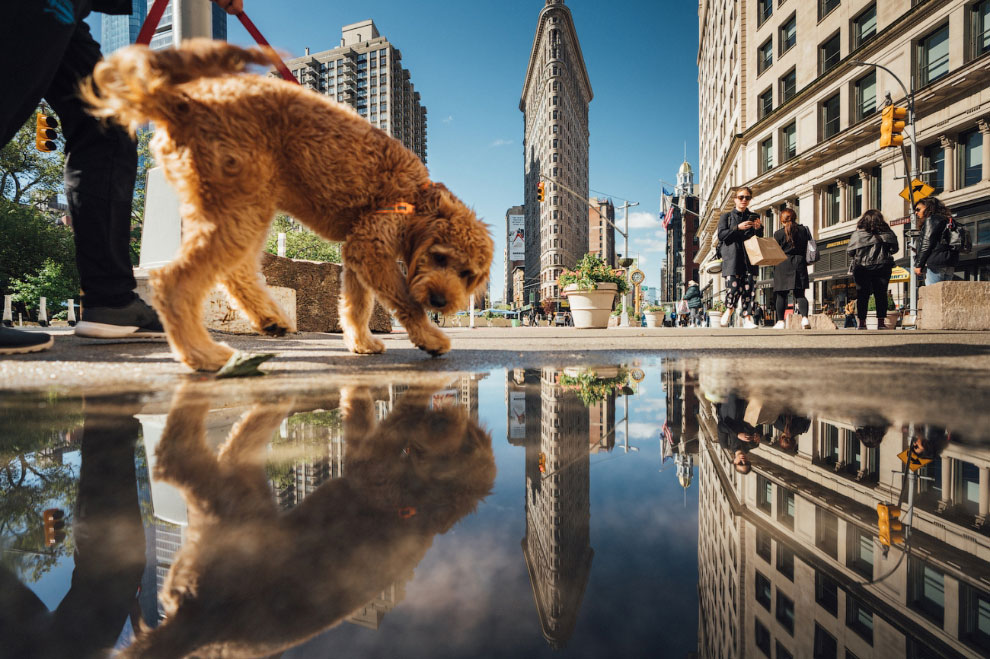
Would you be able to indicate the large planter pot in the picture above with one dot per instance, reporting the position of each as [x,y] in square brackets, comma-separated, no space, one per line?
[654,318]
[714,318]
[590,309]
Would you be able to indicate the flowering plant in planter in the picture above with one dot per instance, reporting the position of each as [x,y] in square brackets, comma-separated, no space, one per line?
[718,306]
[592,388]
[589,272]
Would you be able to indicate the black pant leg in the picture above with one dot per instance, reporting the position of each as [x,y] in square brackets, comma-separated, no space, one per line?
[100,169]
[801,302]
[780,304]
[863,291]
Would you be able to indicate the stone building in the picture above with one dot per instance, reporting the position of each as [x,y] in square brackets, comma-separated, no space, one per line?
[786,108]
[682,238]
[515,249]
[365,72]
[554,102]
[601,229]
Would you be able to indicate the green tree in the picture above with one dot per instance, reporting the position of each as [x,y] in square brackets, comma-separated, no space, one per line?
[145,162]
[54,281]
[300,242]
[25,172]
[29,241]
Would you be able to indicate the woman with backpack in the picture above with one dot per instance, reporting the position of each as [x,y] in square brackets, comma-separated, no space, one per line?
[791,275]
[734,228]
[871,258]
[934,252]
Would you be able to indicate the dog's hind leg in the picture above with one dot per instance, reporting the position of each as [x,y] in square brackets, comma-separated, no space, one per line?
[356,304]
[246,285]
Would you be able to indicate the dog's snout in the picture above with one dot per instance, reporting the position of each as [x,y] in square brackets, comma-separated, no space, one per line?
[437,300]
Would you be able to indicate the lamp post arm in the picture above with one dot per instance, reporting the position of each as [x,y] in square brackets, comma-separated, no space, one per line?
[583,199]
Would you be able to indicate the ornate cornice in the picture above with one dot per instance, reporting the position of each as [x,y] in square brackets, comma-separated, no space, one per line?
[556,9]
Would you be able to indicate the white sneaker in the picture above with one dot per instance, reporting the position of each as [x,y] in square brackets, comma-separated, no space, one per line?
[749,324]
[779,325]
[724,320]
[805,323]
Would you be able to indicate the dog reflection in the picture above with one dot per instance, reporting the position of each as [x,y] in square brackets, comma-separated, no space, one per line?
[252,580]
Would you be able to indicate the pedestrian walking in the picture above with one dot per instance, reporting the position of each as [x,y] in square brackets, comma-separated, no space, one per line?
[759,315]
[47,50]
[850,322]
[936,260]
[791,426]
[734,433]
[871,259]
[734,228]
[693,298]
[791,276]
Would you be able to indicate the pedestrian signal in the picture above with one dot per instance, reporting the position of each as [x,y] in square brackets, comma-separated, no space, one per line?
[54,526]
[892,123]
[891,529]
[541,194]
[45,133]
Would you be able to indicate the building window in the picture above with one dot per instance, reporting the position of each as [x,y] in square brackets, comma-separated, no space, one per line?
[762,638]
[782,652]
[828,54]
[830,117]
[785,612]
[979,29]
[859,551]
[855,189]
[971,158]
[926,590]
[766,103]
[763,545]
[859,618]
[788,86]
[826,592]
[825,646]
[933,158]
[762,586]
[933,56]
[764,56]
[764,490]
[865,95]
[830,198]
[825,7]
[827,529]
[788,34]
[764,10]
[766,164]
[785,561]
[864,26]
[876,190]
[785,507]
[974,619]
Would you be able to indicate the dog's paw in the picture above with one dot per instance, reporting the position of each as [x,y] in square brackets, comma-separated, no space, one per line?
[274,329]
[433,341]
[207,359]
[367,345]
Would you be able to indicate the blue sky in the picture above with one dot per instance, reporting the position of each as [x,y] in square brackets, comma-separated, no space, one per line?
[468,61]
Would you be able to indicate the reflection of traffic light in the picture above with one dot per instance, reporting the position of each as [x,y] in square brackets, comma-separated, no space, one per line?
[54,526]
[543,463]
[45,133]
[891,529]
[541,194]
[892,123]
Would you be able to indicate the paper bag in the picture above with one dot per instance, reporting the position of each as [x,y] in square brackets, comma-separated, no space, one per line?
[759,413]
[764,251]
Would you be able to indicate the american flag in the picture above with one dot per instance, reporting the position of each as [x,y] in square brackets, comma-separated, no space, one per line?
[668,216]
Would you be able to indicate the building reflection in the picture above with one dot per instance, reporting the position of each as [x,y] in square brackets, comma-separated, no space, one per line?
[789,560]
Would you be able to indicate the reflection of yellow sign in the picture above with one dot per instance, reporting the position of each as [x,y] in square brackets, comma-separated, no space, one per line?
[899,274]
[911,459]
[920,190]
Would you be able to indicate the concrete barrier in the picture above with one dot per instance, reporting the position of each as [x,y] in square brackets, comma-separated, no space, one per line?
[954,305]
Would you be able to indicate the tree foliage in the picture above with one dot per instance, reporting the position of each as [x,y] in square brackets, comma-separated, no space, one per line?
[54,281]
[145,162]
[27,174]
[300,242]
[30,240]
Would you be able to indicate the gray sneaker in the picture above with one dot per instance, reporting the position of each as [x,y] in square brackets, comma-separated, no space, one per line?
[16,342]
[135,321]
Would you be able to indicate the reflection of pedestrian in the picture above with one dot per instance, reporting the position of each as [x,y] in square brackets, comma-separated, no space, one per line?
[790,426]
[734,434]
[871,259]
[791,275]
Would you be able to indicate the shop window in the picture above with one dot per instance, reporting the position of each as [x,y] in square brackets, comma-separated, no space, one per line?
[826,592]
[933,56]
[971,158]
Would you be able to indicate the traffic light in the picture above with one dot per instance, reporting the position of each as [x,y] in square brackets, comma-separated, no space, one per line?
[891,529]
[892,123]
[54,526]
[543,463]
[541,193]
[45,133]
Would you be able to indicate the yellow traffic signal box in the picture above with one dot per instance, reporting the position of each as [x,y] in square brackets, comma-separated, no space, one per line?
[891,529]
[541,194]
[45,133]
[892,123]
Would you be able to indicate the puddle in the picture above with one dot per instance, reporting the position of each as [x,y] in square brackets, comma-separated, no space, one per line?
[637,509]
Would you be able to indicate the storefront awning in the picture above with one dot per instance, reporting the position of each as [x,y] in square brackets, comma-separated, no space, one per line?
[899,274]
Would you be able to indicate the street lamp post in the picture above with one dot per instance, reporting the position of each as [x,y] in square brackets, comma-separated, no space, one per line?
[628,260]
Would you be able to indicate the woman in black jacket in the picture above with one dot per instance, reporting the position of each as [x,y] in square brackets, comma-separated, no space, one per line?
[734,228]
[792,274]
[871,258]
[934,254]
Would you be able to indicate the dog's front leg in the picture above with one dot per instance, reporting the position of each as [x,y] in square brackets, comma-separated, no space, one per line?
[376,269]
[356,304]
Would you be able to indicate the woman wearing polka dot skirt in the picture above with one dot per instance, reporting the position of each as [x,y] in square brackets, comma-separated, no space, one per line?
[734,228]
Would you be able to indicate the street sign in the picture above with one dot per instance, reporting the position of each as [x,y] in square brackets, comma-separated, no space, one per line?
[920,189]
[911,459]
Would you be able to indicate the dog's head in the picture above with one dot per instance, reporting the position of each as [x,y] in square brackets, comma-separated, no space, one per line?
[448,251]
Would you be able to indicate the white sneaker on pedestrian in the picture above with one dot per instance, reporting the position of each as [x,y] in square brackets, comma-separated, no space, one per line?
[805,323]
[749,324]
[779,325]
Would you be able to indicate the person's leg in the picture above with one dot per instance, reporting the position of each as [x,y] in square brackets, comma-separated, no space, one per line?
[881,281]
[863,291]
[748,294]
[801,302]
[780,304]
[100,169]
[733,288]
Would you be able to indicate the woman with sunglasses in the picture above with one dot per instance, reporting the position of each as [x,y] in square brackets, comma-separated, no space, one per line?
[934,254]
[734,228]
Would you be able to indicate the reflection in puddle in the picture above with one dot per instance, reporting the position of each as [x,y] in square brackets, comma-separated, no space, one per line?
[250,524]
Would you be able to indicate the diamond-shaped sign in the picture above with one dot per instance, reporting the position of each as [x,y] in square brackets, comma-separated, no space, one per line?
[912,460]
[920,189]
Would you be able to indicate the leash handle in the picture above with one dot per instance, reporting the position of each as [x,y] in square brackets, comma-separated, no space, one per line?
[155,17]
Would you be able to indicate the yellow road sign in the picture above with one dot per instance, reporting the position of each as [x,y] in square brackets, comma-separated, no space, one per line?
[911,459]
[920,188]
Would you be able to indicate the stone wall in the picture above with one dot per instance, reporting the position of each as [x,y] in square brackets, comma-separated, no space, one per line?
[954,305]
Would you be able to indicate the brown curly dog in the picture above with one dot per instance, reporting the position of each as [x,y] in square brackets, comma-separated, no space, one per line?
[237,148]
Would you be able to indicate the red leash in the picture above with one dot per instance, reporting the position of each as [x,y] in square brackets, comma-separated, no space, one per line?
[155,17]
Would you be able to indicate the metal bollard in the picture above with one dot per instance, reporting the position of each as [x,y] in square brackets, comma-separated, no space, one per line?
[43,312]
[71,317]
[8,316]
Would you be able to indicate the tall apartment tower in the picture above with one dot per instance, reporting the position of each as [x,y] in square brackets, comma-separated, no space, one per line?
[184,19]
[515,247]
[119,31]
[365,72]
[555,99]
[601,233]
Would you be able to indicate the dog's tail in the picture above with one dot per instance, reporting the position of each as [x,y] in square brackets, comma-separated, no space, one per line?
[135,84]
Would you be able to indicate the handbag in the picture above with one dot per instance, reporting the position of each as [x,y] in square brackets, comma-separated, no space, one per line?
[682,307]
[811,253]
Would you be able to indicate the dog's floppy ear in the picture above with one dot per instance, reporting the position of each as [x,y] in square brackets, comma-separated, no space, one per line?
[421,233]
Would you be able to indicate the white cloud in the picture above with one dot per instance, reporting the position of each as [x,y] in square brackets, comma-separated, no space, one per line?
[648,245]
[640,220]
[500,142]
[449,118]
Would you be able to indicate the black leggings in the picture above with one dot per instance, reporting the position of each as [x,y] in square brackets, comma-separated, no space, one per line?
[871,282]
[800,301]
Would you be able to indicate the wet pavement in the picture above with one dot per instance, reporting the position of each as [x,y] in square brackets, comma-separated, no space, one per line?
[721,502]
